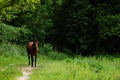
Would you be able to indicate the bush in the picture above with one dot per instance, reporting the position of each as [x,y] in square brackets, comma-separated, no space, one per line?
[13,50]
[13,34]
[48,50]
[57,55]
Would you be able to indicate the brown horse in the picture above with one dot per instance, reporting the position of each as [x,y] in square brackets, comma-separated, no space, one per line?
[32,50]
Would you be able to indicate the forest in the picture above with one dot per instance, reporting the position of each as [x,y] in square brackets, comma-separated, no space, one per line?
[78,39]
[71,26]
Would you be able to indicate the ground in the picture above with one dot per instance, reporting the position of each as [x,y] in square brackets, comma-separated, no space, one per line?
[26,72]
[78,68]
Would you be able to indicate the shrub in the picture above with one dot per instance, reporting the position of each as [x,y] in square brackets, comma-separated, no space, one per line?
[13,34]
[13,50]
[48,50]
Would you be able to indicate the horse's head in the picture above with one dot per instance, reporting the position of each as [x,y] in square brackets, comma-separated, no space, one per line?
[36,42]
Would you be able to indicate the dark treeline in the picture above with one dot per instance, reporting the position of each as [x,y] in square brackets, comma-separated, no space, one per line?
[76,26]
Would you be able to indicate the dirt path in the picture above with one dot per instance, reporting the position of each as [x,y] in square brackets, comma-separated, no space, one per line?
[26,72]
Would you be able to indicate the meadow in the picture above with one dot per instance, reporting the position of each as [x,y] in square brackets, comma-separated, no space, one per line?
[52,65]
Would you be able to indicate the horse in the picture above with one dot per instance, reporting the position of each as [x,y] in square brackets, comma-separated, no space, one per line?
[32,50]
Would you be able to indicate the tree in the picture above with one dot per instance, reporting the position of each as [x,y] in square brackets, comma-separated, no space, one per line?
[10,8]
[83,25]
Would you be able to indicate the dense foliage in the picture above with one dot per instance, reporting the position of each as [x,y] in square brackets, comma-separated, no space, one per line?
[14,34]
[80,26]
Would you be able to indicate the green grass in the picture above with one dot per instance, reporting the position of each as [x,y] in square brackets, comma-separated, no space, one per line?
[57,66]
[11,73]
[88,68]
[81,68]
[10,68]
[12,59]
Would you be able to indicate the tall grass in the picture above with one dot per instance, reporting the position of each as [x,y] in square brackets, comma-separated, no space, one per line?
[12,57]
[19,51]
[51,54]
[8,49]
[53,65]
[82,68]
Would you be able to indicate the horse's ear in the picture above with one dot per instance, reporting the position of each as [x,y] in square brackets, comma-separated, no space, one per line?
[35,37]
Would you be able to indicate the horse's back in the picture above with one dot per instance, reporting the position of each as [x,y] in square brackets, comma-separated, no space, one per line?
[30,49]
[29,44]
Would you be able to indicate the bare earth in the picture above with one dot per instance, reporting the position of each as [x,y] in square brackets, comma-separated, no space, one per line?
[26,72]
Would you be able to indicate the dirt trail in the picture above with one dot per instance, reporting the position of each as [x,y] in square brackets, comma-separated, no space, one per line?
[26,72]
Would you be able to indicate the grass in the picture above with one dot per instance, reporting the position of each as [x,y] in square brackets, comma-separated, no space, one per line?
[9,68]
[11,73]
[88,68]
[57,66]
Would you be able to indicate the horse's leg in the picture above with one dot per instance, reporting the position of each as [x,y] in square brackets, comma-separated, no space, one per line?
[31,60]
[35,60]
